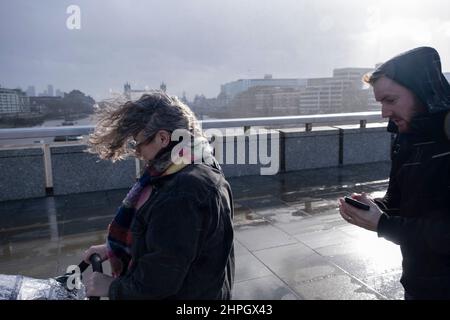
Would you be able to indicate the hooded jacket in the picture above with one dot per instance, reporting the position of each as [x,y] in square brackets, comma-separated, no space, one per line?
[417,202]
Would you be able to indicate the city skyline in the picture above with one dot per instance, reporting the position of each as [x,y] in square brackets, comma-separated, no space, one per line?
[32,91]
[59,92]
[197,46]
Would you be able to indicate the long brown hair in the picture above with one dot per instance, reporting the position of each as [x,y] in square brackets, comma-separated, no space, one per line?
[117,125]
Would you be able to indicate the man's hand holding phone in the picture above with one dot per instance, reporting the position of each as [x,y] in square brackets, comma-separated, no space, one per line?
[360,210]
[357,204]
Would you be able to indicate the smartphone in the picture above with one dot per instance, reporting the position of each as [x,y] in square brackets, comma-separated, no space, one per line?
[357,203]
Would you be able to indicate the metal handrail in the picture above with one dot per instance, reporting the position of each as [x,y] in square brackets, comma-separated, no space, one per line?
[307,120]
[43,132]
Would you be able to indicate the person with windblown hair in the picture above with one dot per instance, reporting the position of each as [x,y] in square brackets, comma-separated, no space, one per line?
[172,236]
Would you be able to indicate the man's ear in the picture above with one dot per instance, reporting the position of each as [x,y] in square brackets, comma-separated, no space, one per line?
[163,138]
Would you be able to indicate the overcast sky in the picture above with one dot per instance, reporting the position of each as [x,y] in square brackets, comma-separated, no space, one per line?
[197,45]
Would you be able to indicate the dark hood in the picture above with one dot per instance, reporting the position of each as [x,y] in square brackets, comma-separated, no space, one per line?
[420,71]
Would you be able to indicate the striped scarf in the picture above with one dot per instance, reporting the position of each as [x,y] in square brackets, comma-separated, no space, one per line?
[119,239]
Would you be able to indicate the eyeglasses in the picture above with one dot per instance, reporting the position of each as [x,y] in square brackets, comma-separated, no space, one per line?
[134,145]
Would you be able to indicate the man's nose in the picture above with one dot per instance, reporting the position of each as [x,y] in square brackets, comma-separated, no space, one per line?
[386,112]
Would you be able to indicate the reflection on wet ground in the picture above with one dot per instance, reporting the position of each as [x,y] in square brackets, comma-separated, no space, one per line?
[290,240]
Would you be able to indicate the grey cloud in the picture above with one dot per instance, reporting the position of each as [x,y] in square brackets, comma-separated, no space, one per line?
[192,45]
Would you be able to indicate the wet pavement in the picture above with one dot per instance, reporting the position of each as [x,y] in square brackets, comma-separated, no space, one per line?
[291,242]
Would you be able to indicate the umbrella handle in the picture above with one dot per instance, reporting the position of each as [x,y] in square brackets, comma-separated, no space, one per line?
[96,262]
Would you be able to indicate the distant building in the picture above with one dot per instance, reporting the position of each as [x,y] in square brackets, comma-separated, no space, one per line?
[133,94]
[13,101]
[286,101]
[47,105]
[163,87]
[50,91]
[231,89]
[72,104]
[343,92]
[31,91]
[202,106]
[76,102]
[59,93]
[263,101]
[184,98]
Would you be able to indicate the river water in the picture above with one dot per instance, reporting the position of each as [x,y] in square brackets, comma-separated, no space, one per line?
[49,123]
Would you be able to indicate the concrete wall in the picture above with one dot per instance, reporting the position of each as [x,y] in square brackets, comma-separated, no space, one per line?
[21,174]
[318,148]
[75,171]
[371,144]
[251,154]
